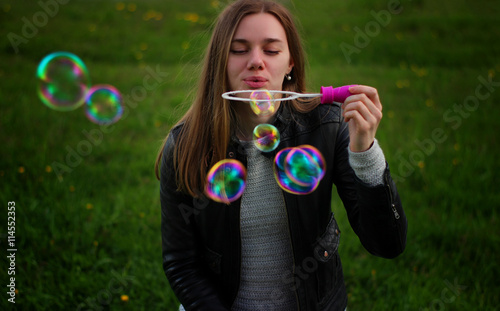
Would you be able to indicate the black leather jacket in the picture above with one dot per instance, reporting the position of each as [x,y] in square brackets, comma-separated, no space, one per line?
[201,238]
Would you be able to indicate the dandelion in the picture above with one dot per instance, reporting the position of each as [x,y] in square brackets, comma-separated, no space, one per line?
[143,46]
[131,7]
[191,17]
[429,102]
[71,188]
[455,161]
[89,206]
[215,4]
[141,214]
[124,298]
[374,272]
[421,164]
[402,83]
[21,169]
[491,73]
[48,169]
[152,14]
[16,291]
[422,72]
[120,6]
[148,15]
[96,243]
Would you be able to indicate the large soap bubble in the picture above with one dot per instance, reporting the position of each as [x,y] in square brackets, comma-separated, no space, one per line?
[226,181]
[299,170]
[63,81]
[103,104]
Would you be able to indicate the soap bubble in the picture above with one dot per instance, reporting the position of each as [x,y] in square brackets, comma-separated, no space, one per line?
[262,102]
[103,104]
[266,137]
[226,181]
[299,170]
[316,157]
[63,81]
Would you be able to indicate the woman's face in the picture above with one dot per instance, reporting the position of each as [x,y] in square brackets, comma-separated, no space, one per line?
[259,57]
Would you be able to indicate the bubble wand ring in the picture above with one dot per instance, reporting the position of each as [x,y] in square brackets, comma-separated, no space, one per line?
[291,95]
[328,95]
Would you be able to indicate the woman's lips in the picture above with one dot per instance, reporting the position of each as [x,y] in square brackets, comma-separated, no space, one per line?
[255,82]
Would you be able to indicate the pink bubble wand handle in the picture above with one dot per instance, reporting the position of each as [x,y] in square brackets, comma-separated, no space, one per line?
[338,94]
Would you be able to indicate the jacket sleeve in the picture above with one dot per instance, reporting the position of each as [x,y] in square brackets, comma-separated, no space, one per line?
[180,247]
[374,212]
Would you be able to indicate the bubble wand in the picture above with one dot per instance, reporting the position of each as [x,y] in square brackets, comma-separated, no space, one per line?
[328,95]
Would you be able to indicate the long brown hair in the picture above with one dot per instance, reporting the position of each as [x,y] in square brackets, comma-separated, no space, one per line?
[208,124]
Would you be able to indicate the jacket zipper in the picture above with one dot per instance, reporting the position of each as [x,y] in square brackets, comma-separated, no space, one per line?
[393,206]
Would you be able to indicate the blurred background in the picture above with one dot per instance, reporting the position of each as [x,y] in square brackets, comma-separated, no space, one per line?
[87,211]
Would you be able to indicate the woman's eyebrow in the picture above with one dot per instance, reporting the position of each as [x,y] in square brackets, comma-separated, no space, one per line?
[267,40]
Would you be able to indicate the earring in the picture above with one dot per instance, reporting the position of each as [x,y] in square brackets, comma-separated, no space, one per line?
[288,77]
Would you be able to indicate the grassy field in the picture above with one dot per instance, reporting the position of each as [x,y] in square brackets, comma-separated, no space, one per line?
[87,209]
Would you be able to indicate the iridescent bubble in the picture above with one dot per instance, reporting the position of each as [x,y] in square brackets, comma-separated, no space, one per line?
[262,102]
[266,137]
[63,81]
[317,157]
[299,170]
[103,104]
[226,181]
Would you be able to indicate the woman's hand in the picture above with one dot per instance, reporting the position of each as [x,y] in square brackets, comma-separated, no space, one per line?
[363,112]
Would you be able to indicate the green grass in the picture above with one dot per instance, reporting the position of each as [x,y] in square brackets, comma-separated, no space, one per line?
[91,235]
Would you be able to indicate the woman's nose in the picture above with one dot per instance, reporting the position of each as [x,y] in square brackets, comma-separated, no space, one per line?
[255,61]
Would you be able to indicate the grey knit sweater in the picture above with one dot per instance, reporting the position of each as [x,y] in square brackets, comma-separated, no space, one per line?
[266,251]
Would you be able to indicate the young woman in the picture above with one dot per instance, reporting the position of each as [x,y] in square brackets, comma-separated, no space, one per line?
[270,249]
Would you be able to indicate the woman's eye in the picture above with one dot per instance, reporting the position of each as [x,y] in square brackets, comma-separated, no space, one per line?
[238,51]
[272,52]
